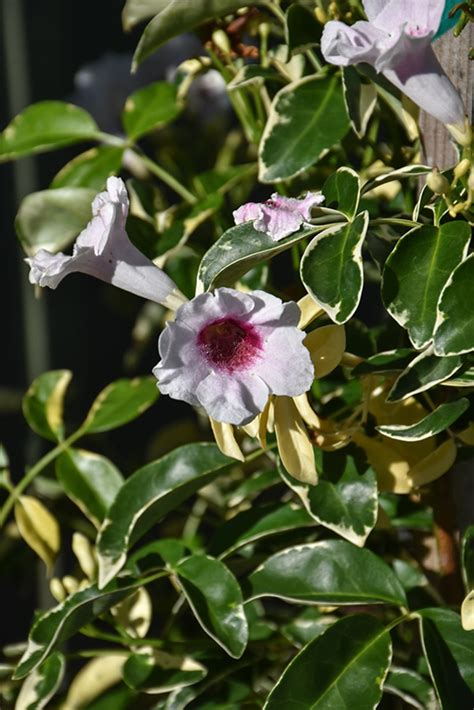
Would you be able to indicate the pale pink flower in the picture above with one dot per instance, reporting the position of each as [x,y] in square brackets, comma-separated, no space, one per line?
[228,351]
[279,216]
[104,250]
[397,42]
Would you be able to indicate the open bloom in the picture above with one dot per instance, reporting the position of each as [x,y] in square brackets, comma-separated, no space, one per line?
[279,216]
[397,42]
[228,351]
[104,250]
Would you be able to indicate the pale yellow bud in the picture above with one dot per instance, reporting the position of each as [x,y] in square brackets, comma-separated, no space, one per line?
[221,41]
[462,133]
[438,183]
[470,181]
[320,15]
[462,168]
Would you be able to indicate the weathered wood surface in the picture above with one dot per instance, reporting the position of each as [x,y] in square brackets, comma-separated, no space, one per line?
[453,54]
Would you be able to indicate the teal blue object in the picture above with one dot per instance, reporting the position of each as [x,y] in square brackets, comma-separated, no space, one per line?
[447,23]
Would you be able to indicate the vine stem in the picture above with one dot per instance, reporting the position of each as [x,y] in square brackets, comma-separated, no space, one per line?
[165,177]
[34,471]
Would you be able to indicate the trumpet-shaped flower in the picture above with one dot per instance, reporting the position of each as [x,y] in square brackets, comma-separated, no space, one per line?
[104,250]
[279,216]
[397,42]
[228,351]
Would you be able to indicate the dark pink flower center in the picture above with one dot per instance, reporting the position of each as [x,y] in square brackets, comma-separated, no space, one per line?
[230,344]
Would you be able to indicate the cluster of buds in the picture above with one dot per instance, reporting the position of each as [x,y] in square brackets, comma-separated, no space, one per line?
[334,10]
[456,201]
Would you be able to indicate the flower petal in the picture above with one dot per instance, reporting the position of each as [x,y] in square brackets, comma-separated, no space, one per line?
[343,45]
[246,213]
[232,399]
[294,445]
[287,367]
[277,222]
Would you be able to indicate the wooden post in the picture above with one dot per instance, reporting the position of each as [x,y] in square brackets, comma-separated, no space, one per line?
[453,53]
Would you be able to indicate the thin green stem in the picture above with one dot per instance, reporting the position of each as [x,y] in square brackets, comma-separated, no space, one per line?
[34,471]
[260,452]
[165,177]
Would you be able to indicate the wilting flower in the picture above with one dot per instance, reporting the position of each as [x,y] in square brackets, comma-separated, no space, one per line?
[228,351]
[397,42]
[279,216]
[104,250]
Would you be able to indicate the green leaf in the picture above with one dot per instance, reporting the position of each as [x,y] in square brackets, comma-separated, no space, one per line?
[342,189]
[173,17]
[332,269]
[64,620]
[409,171]
[411,687]
[416,272]
[158,553]
[434,423]
[150,107]
[306,118]
[387,361]
[302,30]
[119,403]
[455,326]
[149,494]
[253,75]
[344,667]
[424,372]
[90,169]
[41,685]
[216,600]
[360,97]
[52,219]
[135,11]
[307,626]
[449,651]
[329,572]
[345,499]
[44,402]
[159,672]
[468,557]
[45,126]
[256,523]
[90,480]
[238,250]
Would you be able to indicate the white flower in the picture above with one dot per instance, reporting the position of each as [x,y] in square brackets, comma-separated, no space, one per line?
[228,351]
[397,42]
[104,250]
[279,216]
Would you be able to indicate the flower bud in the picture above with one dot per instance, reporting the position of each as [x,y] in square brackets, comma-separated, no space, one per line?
[470,181]
[320,15]
[221,41]
[462,133]
[462,168]
[438,183]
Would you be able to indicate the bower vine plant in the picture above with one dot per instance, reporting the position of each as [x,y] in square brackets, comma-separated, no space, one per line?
[312,292]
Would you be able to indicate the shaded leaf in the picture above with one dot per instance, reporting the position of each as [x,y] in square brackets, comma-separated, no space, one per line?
[424,372]
[302,30]
[360,98]
[408,171]
[90,169]
[388,361]
[119,403]
[40,686]
[434,423]
[342,190]
[38,528]
[455,325]
[150,107]
[344,667]
[153,671]
[44,401]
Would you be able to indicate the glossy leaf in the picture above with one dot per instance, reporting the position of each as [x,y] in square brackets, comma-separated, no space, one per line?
[455,326]
[90,480]
[64,620]
[306,119]
[90,169]
[409,171]
[345,499]
[52,219]
[342,191]
[253,75]
[329,572]
[416,272]
[410,687]
[449,651]
[119,403]
[307,626]
[434,423]
[302,30]
[331,268]
[256,523]
[41,685]
[216,600]
[237,251]
[150,107]
[45,126]
[360,98]
[424,371]
[344,667]
[44,402]
[154,671]
[388,361]
[148,495]
[135,11]
[174,17]
[38,528]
